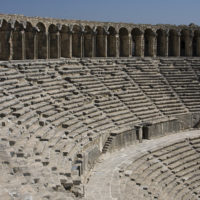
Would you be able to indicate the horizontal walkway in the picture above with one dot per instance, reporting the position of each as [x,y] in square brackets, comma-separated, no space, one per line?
[104,180]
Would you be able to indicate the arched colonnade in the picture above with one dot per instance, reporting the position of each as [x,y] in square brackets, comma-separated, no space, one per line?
[22,40]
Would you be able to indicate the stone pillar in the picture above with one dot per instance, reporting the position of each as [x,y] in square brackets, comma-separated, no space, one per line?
[117,45]
[154,45]
[48,46]
[137,45]
[106,45]
[11,45]
[35,45]
[140,133]
[141,51]
[82,45]
[129,45]
[59,44]
[188,44]
[198,45]
[166,43]
[178,45]
[23,45]
[94,43]
[70,44]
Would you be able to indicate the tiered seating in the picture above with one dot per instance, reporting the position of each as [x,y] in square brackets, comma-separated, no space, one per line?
[20,103]
[49,112]
[33,141]
[171,172]
[56,115]
[195,65]
[102,97]
[17,99]
[154,85]
[72,122]
[183,80]
[79,104]
[7,100]
[126,91]
[195,142]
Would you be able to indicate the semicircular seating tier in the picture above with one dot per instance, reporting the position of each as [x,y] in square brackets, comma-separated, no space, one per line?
[53,112]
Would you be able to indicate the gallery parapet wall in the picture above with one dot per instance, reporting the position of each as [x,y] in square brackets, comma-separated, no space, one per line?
[42,38]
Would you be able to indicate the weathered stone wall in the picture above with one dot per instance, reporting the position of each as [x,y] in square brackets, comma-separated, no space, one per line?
[125,138]
[43,38]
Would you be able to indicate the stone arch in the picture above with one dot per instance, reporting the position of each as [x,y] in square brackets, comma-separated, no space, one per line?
[17,41]
[88,42]
[196,43]
[29,41]
[42,41]
[100,42]
[111,48]
[174,45]
[183,43]
[161,42]
[65,41]
[76,41]
[186,43]
[136,42]
[5,31]
[124,42]
[53,41]
[182,47]
[149,37]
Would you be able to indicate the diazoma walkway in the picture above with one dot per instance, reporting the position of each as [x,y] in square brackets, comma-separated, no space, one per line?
[163,168]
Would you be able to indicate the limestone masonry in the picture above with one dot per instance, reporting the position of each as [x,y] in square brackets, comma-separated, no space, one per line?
[43,38]
[93,110]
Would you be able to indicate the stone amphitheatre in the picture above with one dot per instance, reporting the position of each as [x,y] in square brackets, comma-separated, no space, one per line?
[98,111]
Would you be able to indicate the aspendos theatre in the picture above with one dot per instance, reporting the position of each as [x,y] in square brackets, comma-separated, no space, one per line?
[98,111]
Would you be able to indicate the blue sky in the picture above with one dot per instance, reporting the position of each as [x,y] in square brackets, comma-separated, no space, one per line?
[134,11]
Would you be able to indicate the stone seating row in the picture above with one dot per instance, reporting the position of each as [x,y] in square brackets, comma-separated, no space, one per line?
[52,114]
[156,88]
[171,172]
[55,86]
[183,80]
[32,107]
[117,81]
[108,104]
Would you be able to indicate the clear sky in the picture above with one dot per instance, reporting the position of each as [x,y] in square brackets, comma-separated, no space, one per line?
[134,11]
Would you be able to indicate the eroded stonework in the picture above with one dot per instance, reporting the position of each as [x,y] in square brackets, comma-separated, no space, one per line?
[59,117]
[41,38]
